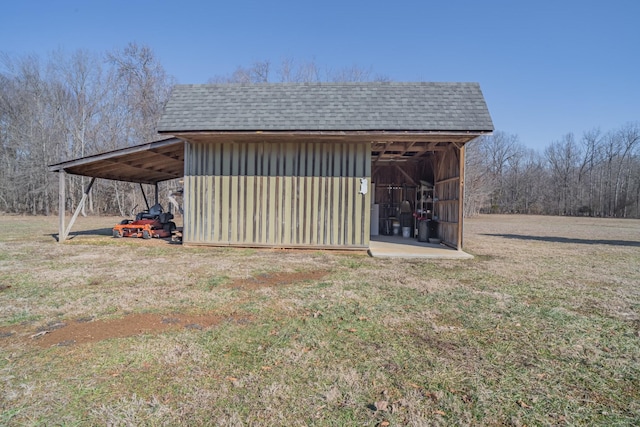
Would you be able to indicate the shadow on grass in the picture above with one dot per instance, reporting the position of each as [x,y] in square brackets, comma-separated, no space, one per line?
[552,239]
[101,232]
[95,232]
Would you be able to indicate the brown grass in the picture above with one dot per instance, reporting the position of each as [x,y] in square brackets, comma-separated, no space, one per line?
[541,328]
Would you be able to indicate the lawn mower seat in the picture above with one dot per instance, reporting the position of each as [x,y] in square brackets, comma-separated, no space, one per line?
[154,212]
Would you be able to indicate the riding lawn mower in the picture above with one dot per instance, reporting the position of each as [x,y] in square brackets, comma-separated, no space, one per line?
[148,224]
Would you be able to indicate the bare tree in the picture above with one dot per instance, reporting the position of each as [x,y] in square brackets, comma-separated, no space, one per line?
[82,94]
[291,71]
[563,157]
[31,128]
[629,139]
[259,72]
[479,182]
[142,87]
[591,141]
[69,107]
[534,176]
[501,147]
[353,73]
[142,81]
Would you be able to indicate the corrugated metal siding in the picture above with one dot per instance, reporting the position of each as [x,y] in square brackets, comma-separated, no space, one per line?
[277,194]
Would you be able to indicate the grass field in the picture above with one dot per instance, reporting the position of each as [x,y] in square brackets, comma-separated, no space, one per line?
[541,328]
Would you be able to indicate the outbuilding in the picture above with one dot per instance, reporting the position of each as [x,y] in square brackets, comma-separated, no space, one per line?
[322,165]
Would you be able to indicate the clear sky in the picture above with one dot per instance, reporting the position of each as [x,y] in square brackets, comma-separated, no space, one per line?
[546,67]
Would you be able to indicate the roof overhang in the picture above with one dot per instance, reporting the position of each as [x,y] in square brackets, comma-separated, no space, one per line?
[164,160]
[146,163]
[385,145]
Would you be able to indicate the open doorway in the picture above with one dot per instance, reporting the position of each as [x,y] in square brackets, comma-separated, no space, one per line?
[403,202]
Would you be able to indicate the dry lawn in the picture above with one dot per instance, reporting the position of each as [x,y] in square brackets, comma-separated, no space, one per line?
[541,328]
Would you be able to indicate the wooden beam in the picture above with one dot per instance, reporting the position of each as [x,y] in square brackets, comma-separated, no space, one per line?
[406,175]
[411,144]
[144,196]
[115,167]
[382,151]
[328,136]
[444,181]
[79,208]
[61,204]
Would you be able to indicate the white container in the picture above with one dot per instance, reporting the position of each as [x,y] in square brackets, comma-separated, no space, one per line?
[406,232]
[396,228]
[375,219]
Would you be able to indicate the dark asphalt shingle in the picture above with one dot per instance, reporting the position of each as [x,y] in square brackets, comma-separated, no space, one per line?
[372,106]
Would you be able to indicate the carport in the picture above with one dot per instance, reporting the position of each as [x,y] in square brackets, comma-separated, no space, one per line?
[149,163]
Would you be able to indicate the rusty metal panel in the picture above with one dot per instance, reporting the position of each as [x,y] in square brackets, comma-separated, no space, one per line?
[277,194]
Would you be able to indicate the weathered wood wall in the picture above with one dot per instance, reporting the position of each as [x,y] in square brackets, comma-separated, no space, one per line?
[287,194]
[448,191]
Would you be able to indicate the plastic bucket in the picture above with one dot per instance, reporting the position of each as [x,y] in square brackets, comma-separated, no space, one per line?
[396,228]
[406,232]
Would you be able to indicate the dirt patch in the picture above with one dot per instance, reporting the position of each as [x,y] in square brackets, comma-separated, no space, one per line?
[277,279]
[82,331]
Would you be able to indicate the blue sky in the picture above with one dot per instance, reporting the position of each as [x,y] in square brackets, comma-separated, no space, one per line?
[546,67]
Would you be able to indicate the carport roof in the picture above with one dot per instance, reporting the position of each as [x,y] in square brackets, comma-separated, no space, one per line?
[148,163]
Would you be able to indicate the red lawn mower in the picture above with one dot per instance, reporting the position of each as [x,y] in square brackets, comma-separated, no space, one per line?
[148,224]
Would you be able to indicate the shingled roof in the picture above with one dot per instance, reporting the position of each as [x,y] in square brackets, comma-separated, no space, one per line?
[371,106]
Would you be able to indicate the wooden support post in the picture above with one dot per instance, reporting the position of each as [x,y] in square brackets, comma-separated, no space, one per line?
[461,199]
[157,199]
[79,207]
[144,196]
[61,205]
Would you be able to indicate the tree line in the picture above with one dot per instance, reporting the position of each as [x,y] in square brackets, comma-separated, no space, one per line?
[68,106]
[597,174]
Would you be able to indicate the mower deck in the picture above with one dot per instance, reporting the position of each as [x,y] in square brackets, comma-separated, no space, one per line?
[148,224]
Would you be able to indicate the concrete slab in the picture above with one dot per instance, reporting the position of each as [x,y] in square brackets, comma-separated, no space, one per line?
[399,247]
